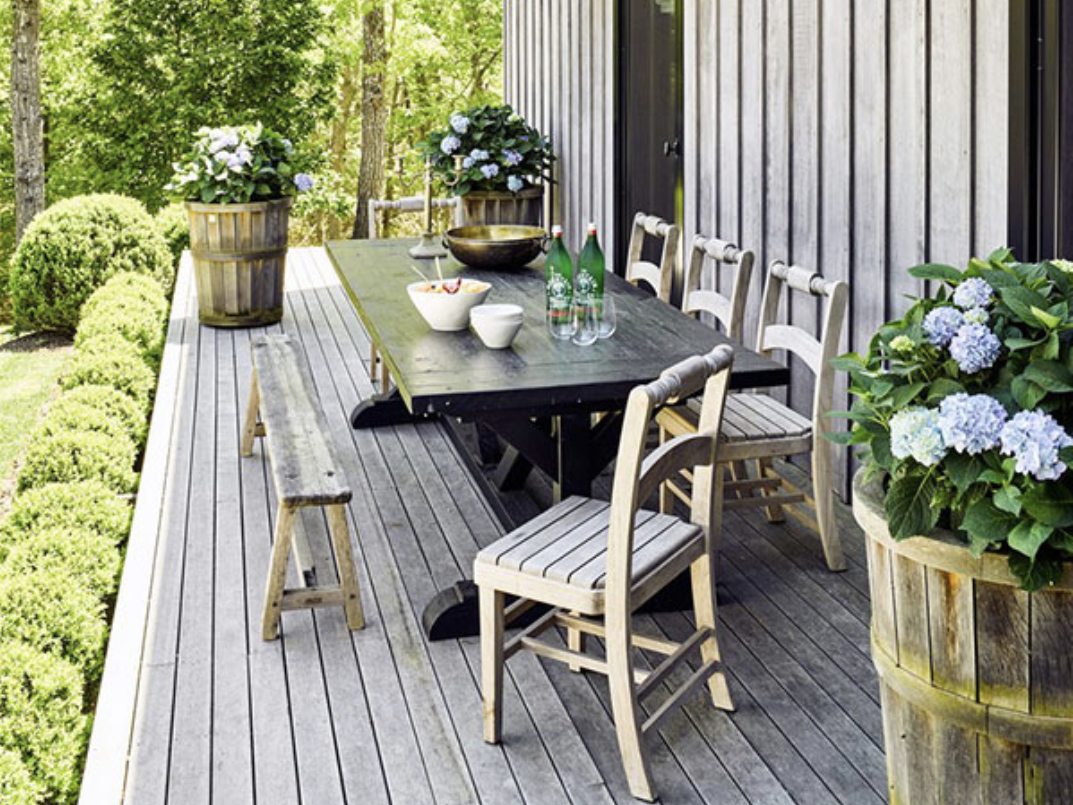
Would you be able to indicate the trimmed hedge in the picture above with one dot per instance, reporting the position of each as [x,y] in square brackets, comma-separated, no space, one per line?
[108,402]
[74,247]
[17,787]
[111,360]
[66,416]
[73,455]
[117,311]
[84,506]
[173,222]
[87,558]
[41,699]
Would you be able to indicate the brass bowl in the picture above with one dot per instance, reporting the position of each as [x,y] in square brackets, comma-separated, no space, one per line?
[495,246]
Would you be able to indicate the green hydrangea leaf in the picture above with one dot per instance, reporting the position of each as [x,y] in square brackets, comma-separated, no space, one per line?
[1008,498]
[1050,504]
[1027,537]
[1037,574]
[908,506]
[936,271]
[983,521]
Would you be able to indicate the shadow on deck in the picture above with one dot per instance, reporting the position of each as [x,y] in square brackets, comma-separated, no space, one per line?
[196,708]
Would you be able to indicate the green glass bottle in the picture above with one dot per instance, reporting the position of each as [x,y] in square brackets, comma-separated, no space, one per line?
[589,283]
[559,286]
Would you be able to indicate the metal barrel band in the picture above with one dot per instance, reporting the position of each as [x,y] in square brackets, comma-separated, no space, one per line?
[240,255]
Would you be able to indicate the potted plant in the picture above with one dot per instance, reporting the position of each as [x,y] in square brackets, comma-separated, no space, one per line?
[237,183]
[964,408]
[495,161]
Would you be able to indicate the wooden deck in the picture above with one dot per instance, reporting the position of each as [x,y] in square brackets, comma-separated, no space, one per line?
[196,708]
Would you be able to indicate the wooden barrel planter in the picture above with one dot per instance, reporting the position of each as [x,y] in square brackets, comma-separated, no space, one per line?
[240,253]
[493,207]
[976,675]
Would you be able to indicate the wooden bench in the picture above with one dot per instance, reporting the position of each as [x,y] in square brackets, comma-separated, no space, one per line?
[305,471]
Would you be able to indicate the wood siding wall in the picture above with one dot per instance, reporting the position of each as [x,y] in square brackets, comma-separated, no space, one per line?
[859,137]
[559,74]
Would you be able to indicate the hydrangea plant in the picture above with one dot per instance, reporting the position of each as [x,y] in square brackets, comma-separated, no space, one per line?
[495,150]
[239,164]
[965,405]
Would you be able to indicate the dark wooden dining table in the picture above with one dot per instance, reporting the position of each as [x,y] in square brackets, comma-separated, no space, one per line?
[539,395]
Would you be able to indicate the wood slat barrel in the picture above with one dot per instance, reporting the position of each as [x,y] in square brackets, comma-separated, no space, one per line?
[239,253]
[492,207]
[976,675]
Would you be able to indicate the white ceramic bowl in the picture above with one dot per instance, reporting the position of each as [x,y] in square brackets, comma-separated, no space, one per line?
[447,312]
[497,325]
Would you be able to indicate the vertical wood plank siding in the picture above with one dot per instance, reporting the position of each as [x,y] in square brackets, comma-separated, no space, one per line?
[859,137]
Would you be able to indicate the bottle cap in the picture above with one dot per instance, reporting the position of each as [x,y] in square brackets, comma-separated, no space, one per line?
[592,227]
[556,231]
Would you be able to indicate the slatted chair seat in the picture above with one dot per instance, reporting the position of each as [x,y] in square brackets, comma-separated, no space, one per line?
[595,562]
[563,553]
[749,417]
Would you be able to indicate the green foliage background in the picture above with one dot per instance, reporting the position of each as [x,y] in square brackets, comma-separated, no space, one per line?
[126,83]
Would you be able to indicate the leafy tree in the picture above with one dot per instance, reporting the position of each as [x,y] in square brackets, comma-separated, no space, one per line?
[165,68]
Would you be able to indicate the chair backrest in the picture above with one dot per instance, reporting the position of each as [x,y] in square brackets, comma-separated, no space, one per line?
[659,278]
[408,204]
[637,477]
[815,353]
[728,310]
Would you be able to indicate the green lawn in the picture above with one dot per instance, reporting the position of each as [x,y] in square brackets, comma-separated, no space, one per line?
[29,368]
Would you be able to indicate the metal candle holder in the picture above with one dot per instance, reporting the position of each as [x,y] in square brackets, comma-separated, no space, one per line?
[431,245]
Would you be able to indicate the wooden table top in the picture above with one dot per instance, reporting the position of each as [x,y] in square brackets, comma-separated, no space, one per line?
[453,373]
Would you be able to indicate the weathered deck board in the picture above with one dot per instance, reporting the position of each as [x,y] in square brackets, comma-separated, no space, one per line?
[380,715]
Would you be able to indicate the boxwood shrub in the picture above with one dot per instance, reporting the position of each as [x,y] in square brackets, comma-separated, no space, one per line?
[72,248]
[140,287]
[173,222]
[83,506]
[65,416]
[79,456]
[45,609]
[111,360]
[41,701]
[17,787]
[125,313]
[87,558]
[107,401]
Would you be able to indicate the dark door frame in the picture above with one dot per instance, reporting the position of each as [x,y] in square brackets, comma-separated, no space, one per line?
[1041,129]
[624,216]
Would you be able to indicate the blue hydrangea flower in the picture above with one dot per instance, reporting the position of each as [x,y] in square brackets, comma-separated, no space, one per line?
[915,432]
[240,157]
[973,292]
[450,144]
[304,182]
[1034,439]
[514,183]
[512,157]
[976,315]
[974,348]
[222,139]
[467,163]
[942,324]
[460,123]
[971,423]
[478,154]
[490,170]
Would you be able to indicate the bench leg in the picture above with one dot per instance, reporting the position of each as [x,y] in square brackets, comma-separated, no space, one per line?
[277,573]
[249,429]
[344,559]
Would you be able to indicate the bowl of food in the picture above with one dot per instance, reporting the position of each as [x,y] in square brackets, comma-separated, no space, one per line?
[495,246]
[497,325]
[445,304]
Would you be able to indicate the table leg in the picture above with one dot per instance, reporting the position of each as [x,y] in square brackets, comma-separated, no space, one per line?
[574,445]
[381,410]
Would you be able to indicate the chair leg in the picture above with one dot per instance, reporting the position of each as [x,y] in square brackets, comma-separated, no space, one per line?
[666,496]
[775,514]
[704,612]
[823,493]
[739,472]
[625,710]
[491,605]
[344,560]
[277,572]
[374,359]
[249,428]
[575,641]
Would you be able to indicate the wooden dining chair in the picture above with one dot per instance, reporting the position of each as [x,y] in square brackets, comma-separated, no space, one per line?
[408,204]
[758,428]
[659,278]
[728,310]
[595,562]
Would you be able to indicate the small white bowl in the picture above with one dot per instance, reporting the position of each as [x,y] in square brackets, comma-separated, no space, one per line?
[447,312]
[497,325]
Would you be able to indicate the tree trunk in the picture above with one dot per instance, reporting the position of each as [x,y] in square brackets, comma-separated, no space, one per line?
[374,114]
[26,122]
